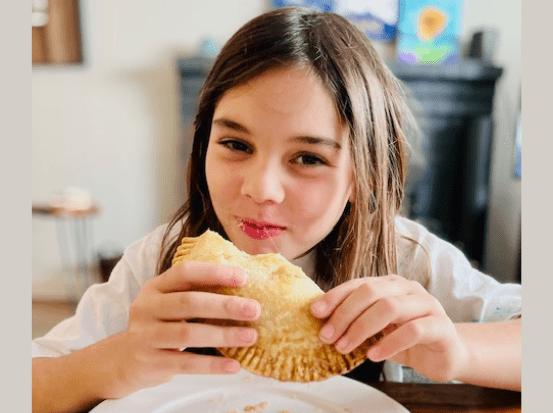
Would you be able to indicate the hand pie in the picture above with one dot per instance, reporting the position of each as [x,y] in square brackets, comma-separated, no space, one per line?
[288,347]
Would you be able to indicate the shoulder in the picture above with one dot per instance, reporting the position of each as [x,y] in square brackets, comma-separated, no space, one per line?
[412,236]
[422,254]
[411,229]
[413,257]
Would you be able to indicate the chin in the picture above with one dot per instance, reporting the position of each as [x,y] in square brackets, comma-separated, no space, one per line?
[256,247]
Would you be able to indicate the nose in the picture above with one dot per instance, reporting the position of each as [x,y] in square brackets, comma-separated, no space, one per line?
[263,182]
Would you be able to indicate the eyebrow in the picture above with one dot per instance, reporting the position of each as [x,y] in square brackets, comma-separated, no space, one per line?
[315,140]
[227,123]
[312,140]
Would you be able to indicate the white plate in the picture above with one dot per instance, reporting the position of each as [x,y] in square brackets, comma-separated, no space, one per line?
[237,393]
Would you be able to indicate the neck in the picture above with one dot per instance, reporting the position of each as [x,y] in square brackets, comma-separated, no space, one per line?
[307,263]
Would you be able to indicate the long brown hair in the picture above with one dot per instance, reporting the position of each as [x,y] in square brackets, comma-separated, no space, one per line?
[369,100]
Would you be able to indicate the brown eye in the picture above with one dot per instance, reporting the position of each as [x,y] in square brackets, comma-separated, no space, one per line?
[236,146]
[310,160]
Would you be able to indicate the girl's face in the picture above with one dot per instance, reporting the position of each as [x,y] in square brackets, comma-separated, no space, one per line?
[278,167]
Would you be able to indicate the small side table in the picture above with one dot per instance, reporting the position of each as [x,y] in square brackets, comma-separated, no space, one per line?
[82,238]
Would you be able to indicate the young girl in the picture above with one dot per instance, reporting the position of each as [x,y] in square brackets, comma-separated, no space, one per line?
[299,148]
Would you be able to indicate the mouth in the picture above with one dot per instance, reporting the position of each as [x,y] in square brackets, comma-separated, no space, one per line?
[260,230]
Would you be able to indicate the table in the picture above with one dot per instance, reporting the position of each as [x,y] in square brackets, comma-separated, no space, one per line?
[432,398]
[82,235]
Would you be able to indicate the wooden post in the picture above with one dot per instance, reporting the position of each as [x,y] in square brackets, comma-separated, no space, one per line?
[59,41]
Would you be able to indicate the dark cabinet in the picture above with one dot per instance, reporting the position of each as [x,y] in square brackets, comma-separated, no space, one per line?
[455,104]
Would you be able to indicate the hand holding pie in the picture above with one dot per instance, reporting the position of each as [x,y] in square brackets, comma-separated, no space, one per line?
[288,347]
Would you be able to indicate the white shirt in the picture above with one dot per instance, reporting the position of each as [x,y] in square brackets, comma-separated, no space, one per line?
[465,293]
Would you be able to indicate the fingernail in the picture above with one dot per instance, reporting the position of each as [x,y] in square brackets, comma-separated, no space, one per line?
[246,335]
[372,354]
[231,366]
[239,277]
[249,309]
[319,307]
[342,343]
[327,332]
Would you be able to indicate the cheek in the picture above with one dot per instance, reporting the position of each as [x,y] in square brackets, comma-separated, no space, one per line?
[209,171]
[319,200]
[213,175]
[329,197]
[222,181]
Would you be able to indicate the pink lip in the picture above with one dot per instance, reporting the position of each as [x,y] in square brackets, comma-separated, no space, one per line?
[260,230]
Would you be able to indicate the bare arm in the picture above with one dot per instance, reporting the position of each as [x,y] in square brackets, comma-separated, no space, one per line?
[76,382]
[494,354]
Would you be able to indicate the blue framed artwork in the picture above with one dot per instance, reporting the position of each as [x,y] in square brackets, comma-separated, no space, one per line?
[322,5]
[429,31]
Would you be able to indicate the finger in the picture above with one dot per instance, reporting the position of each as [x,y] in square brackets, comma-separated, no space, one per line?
[419,331]
[324,305]
[372,287]
[366,294]
[198,304]
[189,274]
[385,312]
[190,363]
[177,335]
[345,314]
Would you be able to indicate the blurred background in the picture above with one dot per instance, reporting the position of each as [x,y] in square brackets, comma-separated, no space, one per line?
[113,88]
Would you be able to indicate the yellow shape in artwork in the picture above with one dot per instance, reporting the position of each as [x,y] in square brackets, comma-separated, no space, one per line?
[432,22]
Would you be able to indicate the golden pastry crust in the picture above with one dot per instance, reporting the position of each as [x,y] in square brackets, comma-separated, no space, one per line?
[288,347]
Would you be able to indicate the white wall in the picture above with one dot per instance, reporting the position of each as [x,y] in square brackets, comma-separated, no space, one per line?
[112,124]
[505,203]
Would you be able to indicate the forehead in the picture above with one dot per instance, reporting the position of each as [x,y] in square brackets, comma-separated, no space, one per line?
[292,97]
